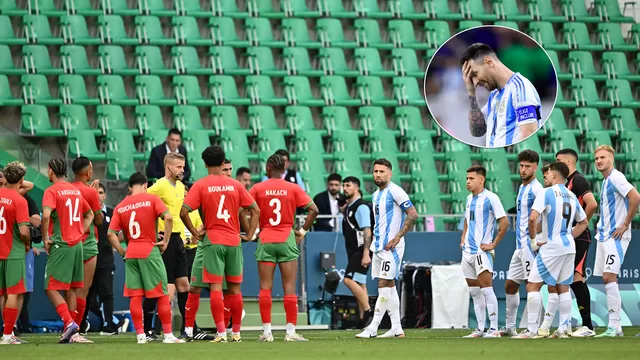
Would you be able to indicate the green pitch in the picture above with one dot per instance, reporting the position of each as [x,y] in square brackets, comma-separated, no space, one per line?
[335,345]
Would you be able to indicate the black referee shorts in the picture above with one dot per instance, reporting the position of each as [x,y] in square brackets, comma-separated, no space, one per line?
[175,259]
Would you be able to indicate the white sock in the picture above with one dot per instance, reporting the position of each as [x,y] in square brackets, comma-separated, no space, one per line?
[534,301]
[393,308]
[188,331]
[513,303]
[564,307]
[291,329]
[168,335]
[492,306]
[479,306]
[266,328]
[550,313]
[384,295]
[8,337]
[613,305]
[233,333]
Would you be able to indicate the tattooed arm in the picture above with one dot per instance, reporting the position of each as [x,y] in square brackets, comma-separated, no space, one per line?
[409,222]
[477,123]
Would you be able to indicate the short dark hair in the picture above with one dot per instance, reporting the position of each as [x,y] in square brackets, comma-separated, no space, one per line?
[101,186]
[351,179]
[59,166]
[334,177]
[14,172]
[137,178]
[242,170]
[476,51]
[545,169]
[283,152]
[384,162]
[80,164]
[276,162]
[560,167]
[567,151]
[213,156]
[529,156]
[478,169]
[174,131]
[226,161]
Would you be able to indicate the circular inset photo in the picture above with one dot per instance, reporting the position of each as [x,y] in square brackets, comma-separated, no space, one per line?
[490,86]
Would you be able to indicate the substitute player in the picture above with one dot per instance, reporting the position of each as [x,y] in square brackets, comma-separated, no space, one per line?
[278,244]
[394,215]
[523,257]
[145,276]
[219,198]
[83,171]
[579,186]
[66,216]
[513,110]
[15,242]
[618,205]
[559,208]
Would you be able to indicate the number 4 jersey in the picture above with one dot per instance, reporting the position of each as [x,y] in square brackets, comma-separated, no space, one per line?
[68,208]
[278,200]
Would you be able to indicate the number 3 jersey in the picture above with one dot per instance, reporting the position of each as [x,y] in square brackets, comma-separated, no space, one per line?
[558,208]
[219,199]
[481,213]
[68,208]
[278,200]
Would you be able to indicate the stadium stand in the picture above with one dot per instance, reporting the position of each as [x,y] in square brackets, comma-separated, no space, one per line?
[336,83]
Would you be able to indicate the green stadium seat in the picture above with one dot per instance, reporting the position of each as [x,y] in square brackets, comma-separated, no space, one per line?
[84,8]
[615,65]
[260,90]
[149,91]
[542,10]
[405,9]
[403,35]
[237,142]
[35,89]
[262,118]
[187,32]
[333,62]
[7,35]
[298,9]
[576,10]
[44,7]
[634,35]
[6,62]
[510,24]
[557,122]
[562,140]
[150,61]
[562,75]
[113,61]
[562,102]
[405,63]
[187,91]
[295,33]
[407,91]
[112,31]
[611,38]
[620,94]
[223,90]
[223,8]
[149,31]
[261,62]
[344,163]
[508,10]
[11,8]
[269,141]
[335,9]
[330,34]
[74,117]
[149,117]
[223,32]
[335,91]
[191,8]
[121,153]
[35,122]
[468,24]
[543,33]
[623,120]
[474,9]
[225,118]
[83,143]
[152,138]
[585,93]
[311,167]
[577,36]
[257,32]
[154,7]
[372,118]
[371,92]
[496,163]
[609,11]
[185,60]
[223,61]
[263,9]
[73,59]
[187,118]
[118,7]
[368,34]
[73,90]
[368,62]
[595,139]
[588,119]
[36,60]
[299,118]
[439,9]
[38,31]
[75,31]
[582,65]
[296,62]
[297,91]
[336,118]
[111,90]
[370,9]
[533,143]
[408,119]
[111,117]
[311,141]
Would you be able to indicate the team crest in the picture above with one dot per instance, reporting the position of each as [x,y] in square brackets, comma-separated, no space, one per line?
[503,105]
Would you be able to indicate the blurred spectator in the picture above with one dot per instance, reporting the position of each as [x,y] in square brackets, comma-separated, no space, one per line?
[173,143]
[329,202]
[290,175]
[243,174]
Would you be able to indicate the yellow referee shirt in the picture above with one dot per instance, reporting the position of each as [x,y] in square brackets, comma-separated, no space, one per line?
[172,195]
[197,222]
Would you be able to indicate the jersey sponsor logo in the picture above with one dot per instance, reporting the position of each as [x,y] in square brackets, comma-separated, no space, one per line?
[503,105]
[221,188]
[6,201]
[134,206]
[275,192]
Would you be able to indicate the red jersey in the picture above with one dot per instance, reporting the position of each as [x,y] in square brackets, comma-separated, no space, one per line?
[278,200]
[14,212]
[219,198]
[68,208]
[91,196]
[137,217]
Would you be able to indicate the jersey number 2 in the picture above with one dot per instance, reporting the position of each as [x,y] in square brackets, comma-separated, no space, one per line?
[277,206]
[222,212]
[73,211]
[3,222]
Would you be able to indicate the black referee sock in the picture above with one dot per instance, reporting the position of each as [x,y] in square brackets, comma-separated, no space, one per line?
[583,298]
[149,309]
[182,303]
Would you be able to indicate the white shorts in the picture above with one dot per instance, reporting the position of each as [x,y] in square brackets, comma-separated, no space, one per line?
[521,263]
[476,264]
[610,255]
[386,264]
[553,269]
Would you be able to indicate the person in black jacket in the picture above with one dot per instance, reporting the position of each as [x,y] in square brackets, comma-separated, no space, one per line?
[155,167]
[327,202]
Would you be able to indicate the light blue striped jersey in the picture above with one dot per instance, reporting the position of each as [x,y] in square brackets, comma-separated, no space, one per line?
[614,205]
[481,214]
[389,206]
[508,108]
[526,196]
[558,208]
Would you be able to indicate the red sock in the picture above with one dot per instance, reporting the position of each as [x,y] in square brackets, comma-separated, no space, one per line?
[227,310]
[190,310]
[63,312]
[291,308]
[135,308]
[265,306]
[9,315]
[164,313]
[235,301]
[81,304]
[217,310]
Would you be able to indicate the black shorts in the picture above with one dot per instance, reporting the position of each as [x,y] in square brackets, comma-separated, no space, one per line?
[355,271]
[582,249]
[175,259]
